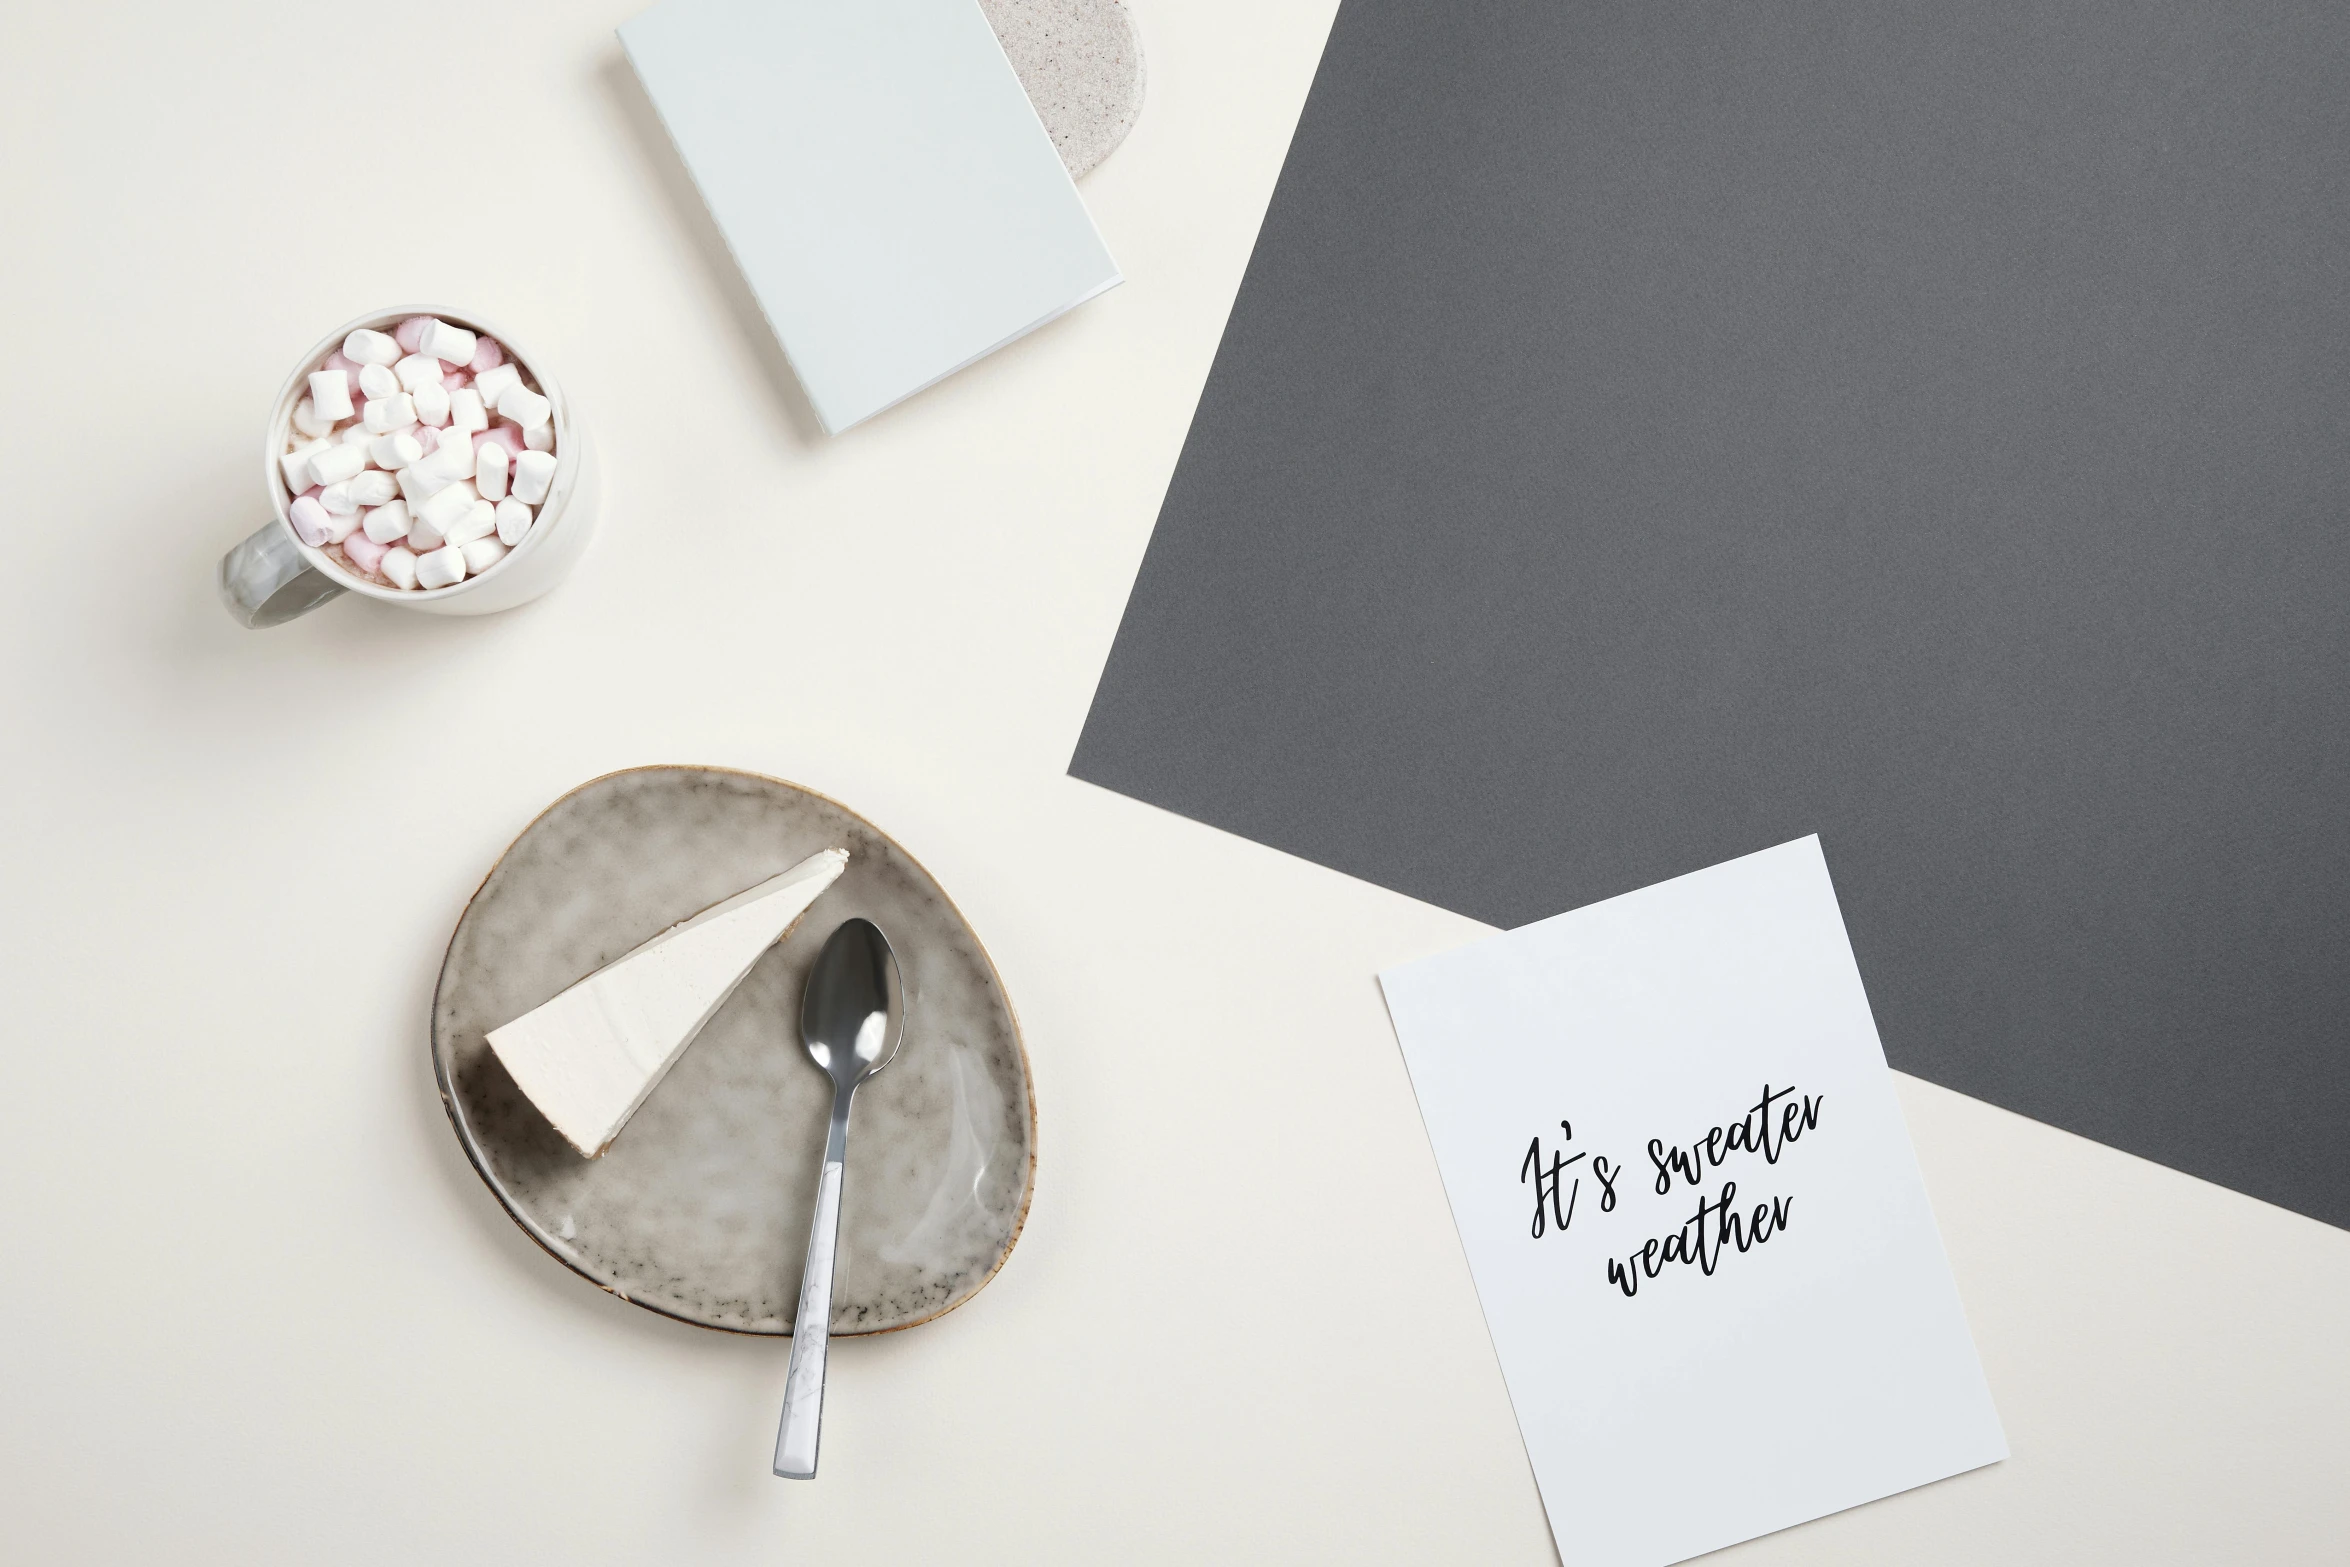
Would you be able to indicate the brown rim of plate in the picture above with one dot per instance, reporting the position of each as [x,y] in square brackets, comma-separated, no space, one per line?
[473,1155]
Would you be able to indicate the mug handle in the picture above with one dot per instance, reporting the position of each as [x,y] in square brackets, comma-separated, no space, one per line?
[266,582]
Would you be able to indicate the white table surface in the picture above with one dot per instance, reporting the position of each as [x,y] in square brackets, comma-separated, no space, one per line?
[257,1307]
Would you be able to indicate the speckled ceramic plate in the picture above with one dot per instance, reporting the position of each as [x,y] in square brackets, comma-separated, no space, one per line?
[700,1208]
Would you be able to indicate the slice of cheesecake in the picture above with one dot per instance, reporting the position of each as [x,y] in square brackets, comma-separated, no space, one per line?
[589,1057]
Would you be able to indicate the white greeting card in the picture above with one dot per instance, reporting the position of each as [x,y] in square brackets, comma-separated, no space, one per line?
[1694,1217]
[883,182]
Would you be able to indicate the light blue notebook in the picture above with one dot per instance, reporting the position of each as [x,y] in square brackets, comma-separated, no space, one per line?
[881,178]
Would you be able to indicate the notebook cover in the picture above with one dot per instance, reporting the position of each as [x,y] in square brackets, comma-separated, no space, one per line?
[881,179]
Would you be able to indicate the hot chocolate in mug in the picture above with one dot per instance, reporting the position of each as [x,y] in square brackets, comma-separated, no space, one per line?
[273,576]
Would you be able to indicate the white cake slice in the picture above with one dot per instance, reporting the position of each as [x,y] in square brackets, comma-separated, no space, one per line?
[589,1057]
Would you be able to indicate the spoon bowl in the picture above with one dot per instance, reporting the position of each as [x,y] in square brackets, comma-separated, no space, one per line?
[853,1014]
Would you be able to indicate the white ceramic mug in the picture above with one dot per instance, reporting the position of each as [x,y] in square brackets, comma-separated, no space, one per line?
[273,576]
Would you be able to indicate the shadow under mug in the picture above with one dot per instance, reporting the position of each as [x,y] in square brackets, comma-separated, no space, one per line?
[273,576]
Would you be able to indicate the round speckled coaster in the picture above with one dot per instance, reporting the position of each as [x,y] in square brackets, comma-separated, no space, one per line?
[1081,61]
[700,1208]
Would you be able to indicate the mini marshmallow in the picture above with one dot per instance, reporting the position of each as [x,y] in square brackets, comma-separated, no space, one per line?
[340,528]
[489,470]
[310,521]
[514,521]
[378,381]
[354,434]
[487,355]
[456,381]
[418,370]
[307,420]
[525,407]
[483,553]
[364,347]
[455,457]
[296,464]
[330,394]
[540,438]
[508,436]
[374,487]
[533,472]
[451,345]
[409,334]
[466,411]
[364,552]
[432,404]
[398,566]
[388,523]
[479,522]
[420,481]
[443,568]
[337,463]
[395,451]
[349,367]
[493,382]
[383,415]
[337,500]
[446,508]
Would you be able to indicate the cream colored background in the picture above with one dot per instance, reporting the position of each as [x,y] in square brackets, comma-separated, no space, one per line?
[258,1309]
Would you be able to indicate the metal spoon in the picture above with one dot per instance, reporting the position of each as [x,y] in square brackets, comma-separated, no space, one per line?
[852,1017]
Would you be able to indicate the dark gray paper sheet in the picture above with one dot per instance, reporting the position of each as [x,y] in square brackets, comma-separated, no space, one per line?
[1649,432]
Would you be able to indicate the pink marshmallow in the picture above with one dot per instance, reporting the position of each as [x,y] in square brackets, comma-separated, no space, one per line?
[507,435]
[365,553]
[409,334]
[456,381]
[312,493]
[487,355]
[311,523]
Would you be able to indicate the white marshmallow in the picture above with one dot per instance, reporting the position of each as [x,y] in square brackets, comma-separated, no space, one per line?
[479,522]
[388,523]
[455,457]
[525,407]
[432,404]
[386,414]
[443,511]
[307,420]
[374,487]
[489,470]
[310,522]
[533,472]
[354,434]
[420,481]
[514,521]
[399,566]
[340,528]
[330,394]
[418,370]
[364,347]
[483,553]
[541,437]
[337,463]
[336,498]
[378,381]
[395,451]
[493,382]
[449,344]
[443,568]
[296,464]
[467,412]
